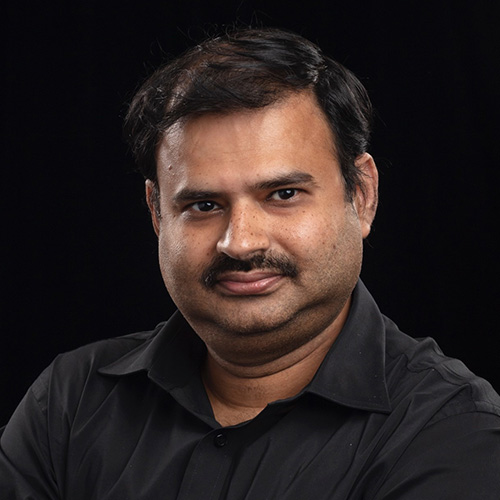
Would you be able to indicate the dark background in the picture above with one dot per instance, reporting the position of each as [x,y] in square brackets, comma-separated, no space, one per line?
[78,253]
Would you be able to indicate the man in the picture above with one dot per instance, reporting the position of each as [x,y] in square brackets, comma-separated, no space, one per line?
[278,378]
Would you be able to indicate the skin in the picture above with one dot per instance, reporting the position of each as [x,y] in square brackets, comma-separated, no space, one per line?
[260,183]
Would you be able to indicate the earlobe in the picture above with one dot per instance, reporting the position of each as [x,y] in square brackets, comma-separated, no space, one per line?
[367,195]
[152,201]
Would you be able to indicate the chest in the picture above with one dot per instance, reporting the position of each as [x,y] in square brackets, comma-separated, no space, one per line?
[313,450]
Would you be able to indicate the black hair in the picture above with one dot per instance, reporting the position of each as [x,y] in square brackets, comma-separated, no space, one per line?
[250,69]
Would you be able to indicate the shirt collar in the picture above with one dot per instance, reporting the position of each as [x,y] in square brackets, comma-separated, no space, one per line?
[353,371]
[171,355]
[352,374]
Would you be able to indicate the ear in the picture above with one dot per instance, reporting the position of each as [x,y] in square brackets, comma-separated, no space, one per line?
[152,199]
[366,197]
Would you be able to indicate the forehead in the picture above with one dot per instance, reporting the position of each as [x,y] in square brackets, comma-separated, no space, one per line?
[292,133]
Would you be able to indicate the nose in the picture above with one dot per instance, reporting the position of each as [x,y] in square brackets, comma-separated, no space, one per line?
[245,234]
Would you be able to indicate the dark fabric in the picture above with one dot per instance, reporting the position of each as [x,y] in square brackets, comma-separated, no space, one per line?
[386,417]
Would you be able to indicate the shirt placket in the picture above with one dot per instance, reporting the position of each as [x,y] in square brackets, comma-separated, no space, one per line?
[209,466]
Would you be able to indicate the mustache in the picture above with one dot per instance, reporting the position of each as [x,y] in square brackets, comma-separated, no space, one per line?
[223,263]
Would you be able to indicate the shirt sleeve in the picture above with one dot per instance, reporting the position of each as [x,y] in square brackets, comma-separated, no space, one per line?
[26,471]
[455,458]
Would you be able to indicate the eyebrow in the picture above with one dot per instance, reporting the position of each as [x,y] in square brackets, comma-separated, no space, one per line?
[296,178]
[187,194]
[292,178]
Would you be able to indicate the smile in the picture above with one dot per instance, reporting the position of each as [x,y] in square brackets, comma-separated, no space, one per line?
[249,283]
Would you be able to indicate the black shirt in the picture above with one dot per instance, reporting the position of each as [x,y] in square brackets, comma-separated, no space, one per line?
[386,417]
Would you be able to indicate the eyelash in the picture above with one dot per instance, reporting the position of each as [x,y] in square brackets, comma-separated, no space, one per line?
[293,190]
[205,202]
[290,193]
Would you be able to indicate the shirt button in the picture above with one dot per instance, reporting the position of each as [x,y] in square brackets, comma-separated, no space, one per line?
[220,440]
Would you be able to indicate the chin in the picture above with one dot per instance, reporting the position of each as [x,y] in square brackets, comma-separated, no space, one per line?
[252,324]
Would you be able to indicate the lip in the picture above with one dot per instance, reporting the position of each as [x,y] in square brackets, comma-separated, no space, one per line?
[249,283]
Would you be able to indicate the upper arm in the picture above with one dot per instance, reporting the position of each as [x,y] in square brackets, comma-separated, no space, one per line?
[455,458]
[26,470]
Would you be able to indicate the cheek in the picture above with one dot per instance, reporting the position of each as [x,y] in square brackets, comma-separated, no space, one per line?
[314,233]
[182,256]
[327,244]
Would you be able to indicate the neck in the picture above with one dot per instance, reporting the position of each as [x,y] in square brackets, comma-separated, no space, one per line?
[239,393]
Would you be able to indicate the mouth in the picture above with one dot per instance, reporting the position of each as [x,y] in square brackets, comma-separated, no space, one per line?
[249,283]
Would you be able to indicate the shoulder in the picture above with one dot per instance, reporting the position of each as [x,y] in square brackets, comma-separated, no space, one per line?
[444,424]
[34,445]
[417,368]
[103,352]
[76,371]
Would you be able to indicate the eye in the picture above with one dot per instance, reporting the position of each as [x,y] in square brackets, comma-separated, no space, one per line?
[204,206]
[284,194]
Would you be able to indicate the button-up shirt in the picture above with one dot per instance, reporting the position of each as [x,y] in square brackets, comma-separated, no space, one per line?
[385,417]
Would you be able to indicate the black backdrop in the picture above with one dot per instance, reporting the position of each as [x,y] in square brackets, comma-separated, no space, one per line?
[78,252]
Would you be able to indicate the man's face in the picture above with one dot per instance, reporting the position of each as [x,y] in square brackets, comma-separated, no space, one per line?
[258,247]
